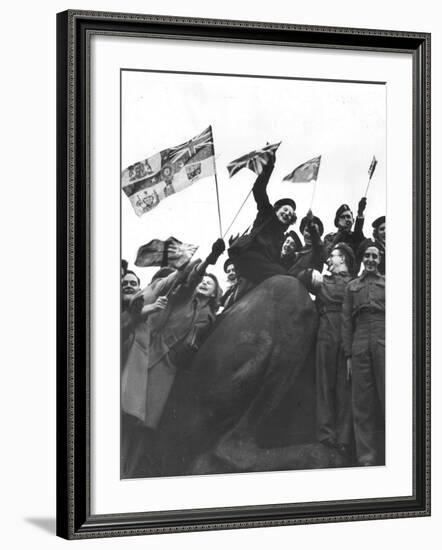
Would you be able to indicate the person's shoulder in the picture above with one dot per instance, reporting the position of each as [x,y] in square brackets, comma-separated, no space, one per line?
[355,283]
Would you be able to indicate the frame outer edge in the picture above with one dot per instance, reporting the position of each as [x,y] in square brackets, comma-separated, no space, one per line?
[69,509]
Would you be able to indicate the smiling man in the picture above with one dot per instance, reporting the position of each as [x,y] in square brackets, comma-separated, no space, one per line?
[130,284]
[344,222]
[363,332]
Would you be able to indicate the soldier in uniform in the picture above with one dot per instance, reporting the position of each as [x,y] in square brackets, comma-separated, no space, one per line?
[333,388]
[344,222]
[363,333]
[379,238]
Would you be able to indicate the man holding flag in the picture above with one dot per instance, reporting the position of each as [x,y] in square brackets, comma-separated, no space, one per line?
[344,222]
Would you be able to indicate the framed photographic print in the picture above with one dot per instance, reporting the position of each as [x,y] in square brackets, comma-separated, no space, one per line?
[235,346]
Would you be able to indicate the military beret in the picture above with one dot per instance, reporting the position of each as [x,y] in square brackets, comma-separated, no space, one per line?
[282,202]
[378,221]
[305,220]
[343,208]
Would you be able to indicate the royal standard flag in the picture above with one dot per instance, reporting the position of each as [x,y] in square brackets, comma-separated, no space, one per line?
[255,161]
[305,172]
[155,178]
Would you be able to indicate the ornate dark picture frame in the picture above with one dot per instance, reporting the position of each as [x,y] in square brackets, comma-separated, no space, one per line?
[74,31]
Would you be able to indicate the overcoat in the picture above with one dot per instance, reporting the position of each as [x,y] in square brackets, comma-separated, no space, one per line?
[158,342]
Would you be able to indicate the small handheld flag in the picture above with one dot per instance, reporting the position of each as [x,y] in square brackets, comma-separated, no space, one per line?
[255,160]
[371,170]
[304,173]
[171,252]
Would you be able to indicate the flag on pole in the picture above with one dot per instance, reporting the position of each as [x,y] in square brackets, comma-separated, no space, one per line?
[171,252]
[255,161]
[372,167]
[305,172]
[155,178]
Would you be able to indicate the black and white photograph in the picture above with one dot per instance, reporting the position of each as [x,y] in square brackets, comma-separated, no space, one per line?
[253,273]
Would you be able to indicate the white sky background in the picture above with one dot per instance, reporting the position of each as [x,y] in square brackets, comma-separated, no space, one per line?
[343,122]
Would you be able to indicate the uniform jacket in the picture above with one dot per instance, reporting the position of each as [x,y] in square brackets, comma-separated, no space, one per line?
[364,294]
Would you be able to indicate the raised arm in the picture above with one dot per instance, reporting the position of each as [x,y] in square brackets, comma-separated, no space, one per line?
[260,185]
[359,223]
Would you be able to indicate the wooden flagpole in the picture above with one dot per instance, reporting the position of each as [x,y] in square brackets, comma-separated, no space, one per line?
[313,195]
[216,185]
[237,214]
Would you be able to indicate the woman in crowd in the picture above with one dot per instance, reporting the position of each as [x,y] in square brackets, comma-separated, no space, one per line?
[177,309]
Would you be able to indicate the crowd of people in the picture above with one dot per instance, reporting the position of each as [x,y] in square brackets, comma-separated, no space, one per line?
[164,324]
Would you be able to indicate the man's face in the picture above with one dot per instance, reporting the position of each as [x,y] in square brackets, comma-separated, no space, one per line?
[231,273]
[345,220]
[129,284]
[371,259]
[286,214]
[334,261]
[381,232]
[288,246]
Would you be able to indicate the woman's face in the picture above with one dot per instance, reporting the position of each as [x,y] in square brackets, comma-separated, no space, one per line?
[207,287]
[286,214]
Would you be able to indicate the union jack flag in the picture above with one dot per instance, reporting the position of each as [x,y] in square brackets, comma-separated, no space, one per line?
[189,149]
[255,161]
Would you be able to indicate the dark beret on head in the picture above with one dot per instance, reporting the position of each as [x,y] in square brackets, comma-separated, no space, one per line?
[343,208]
[282,202]
[378,221]
[305,220]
